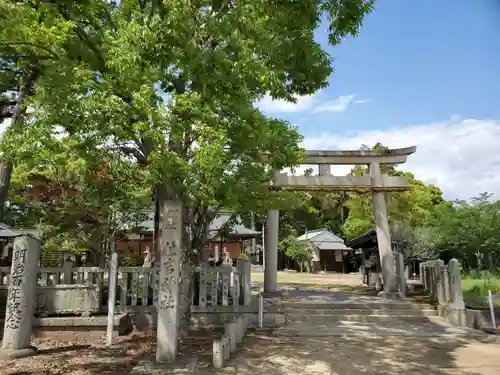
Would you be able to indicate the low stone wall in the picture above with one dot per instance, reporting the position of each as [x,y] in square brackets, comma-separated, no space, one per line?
[65,299]
[145,321]
[480,319]
[123,324]
[477,319]
[444,285]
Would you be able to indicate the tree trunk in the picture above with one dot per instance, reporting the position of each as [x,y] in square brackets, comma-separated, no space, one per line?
[156,250]
[6,165]
[5,174]
[188,285]
[493,266]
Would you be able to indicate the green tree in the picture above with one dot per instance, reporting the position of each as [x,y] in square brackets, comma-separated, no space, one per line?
[409,208]
[298,251]
[35,37]
[171,85]
[469,231]
[79,205]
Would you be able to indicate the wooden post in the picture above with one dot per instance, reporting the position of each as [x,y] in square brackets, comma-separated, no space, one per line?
[113,272]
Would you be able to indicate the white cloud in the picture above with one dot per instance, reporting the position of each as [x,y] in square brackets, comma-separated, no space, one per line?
[339,104]
[304,103]
[362,101]
[309,103]
[462,157]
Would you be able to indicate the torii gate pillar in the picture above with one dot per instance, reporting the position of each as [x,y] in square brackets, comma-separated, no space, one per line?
[383,232]
[271,251]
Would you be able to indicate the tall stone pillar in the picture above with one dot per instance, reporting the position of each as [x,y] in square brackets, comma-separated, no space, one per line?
[21,299]
[383,233]
[271,252]
[170,242]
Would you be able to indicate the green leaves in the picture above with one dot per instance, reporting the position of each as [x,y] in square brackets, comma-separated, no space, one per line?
[297,250]
[162,92]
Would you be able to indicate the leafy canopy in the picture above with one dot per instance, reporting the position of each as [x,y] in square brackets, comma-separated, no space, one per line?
[167,88]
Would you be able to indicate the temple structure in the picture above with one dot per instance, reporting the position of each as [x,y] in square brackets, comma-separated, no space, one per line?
[375,183]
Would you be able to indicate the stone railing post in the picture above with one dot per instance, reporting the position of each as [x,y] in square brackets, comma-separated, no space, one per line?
[245,269]
[423,275]
[230,330]
[400,272]
[433,278]
[67,270]
[456,313]
[439,266]
[23,281]
[239,328]
[420,274]
[426,277]
[446,283]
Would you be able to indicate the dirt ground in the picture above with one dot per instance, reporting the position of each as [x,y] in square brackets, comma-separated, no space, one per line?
[265,355]
[260,354]
[86,354]
[312,280]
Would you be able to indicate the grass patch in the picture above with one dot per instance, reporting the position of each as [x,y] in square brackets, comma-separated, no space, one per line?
[476,291]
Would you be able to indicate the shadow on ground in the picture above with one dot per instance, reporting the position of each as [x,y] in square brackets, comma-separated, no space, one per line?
[358,355]
[361,348]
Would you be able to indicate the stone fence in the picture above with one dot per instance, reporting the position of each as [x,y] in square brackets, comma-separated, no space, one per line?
[84,290]
[444,285]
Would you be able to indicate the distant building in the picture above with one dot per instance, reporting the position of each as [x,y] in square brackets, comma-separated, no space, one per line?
[330,252]
[232,242]
[7,235]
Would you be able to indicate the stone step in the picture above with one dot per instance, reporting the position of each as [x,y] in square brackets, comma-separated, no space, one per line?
[347,312]
[338,319]
[353,306]
[376,330]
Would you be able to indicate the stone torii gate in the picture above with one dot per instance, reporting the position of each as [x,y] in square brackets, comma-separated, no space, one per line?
[375,182]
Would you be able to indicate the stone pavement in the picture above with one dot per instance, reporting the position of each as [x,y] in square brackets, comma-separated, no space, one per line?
[399,338]
[357,355]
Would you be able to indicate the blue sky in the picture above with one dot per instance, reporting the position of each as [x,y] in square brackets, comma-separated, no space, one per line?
[420,72]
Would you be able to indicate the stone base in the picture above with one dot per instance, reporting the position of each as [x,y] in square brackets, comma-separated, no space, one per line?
[123,324]
[492,331]
[275,294]
[150,366]
[8,354]
[391,295]
[455,316]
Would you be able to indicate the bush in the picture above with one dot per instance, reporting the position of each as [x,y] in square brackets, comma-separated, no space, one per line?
[476,286]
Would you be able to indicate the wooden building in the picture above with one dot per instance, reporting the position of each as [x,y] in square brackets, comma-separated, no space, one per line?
[366,247]
[225,238]
[330,252]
